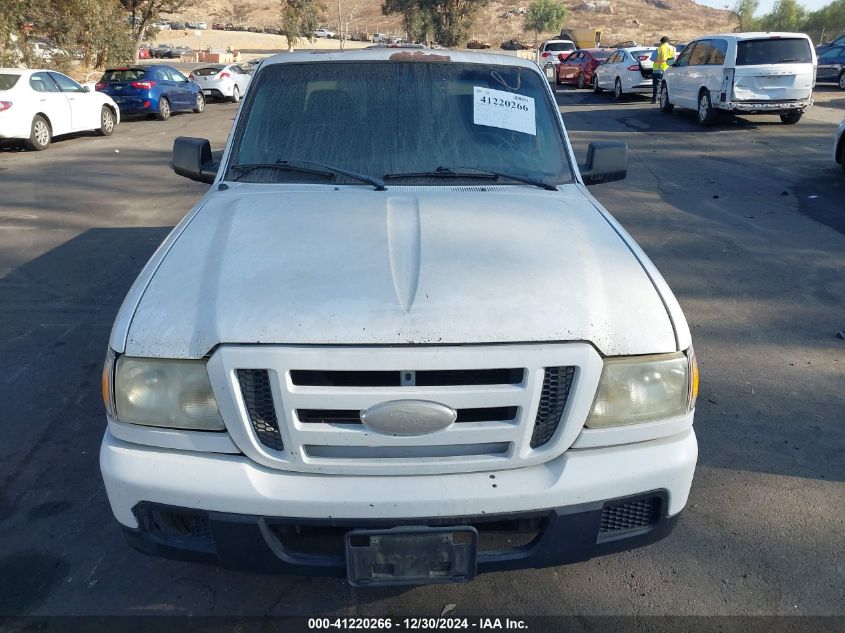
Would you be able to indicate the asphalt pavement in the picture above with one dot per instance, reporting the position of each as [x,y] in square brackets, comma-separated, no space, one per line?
[746,221]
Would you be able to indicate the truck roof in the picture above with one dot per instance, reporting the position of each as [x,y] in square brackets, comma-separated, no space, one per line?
[400,55]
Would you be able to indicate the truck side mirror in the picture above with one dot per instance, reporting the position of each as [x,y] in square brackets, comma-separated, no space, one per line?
[192,159]
[606,161]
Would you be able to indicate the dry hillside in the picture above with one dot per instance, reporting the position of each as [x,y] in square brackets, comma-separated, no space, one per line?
[641,20]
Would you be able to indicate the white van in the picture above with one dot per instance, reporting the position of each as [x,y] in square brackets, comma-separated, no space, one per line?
[748,73]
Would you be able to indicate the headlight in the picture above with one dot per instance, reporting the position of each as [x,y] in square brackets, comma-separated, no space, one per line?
[644,389]
[170,393]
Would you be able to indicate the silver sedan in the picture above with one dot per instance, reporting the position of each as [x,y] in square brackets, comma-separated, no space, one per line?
[221,81]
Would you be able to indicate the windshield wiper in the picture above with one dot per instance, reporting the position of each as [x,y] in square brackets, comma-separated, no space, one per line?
[307,166]
[472,172]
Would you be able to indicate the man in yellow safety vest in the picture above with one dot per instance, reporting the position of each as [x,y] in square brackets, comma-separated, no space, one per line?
[665,53]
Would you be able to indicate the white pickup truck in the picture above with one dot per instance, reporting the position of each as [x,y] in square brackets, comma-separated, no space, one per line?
[398,340]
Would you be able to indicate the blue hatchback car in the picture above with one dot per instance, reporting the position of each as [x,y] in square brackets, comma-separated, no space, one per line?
[154,89]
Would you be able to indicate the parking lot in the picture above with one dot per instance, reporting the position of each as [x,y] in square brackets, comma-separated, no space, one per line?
[746,221]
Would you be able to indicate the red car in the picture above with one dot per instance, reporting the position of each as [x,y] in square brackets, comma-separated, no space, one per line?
[578,68]
[143,53]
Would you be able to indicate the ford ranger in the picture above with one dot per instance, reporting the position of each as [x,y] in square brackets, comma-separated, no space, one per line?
[398,340]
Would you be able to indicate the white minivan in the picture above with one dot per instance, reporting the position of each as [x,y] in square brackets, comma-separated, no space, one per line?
[748,73]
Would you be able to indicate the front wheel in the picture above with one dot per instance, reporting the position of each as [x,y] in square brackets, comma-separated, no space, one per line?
[39,134]
[595,83]
[200,103]
[106,122]
[617,89]
[791,118]
[706,113]
[665,106]
[581,80]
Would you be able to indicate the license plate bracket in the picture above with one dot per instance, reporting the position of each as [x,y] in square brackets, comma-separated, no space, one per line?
[411,555]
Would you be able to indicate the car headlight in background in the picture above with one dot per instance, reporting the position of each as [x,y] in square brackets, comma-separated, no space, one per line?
[157,392]
[645,389]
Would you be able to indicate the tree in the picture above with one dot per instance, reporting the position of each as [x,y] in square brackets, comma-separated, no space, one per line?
[449,20]
[417,19]
[786,15]
[143,12]
[544,16]
[299,19]
[14,16]
[745,10]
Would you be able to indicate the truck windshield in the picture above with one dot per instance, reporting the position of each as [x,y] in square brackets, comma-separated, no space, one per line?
[415,122]
[773,51]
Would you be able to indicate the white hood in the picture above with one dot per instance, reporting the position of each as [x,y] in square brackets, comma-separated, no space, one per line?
[354,266]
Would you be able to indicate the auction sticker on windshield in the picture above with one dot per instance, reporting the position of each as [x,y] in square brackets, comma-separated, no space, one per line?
[505,110]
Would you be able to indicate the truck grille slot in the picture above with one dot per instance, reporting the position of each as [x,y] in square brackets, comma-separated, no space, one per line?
[338,416]
[517,405]
[258,398]
[630,515]
[407,452]
[427,378]
[557,382]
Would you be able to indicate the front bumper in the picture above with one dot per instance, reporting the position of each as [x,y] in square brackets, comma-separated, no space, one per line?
[286,545]
[235,484]
[233,505]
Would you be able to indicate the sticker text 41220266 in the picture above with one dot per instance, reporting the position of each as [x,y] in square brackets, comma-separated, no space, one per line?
[505,110]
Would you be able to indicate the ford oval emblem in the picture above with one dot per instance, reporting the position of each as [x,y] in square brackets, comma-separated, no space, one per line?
[408,417]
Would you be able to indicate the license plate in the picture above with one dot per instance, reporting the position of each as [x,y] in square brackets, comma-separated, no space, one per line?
[411,556]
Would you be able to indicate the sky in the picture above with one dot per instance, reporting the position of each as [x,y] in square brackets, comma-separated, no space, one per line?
[766,5]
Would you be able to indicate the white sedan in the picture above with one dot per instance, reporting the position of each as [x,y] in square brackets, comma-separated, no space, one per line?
[221,81]
[626,70]
[37,105]
[324,33]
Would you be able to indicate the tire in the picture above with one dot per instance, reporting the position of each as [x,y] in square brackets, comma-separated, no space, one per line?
[665,106]
[617,89]
[842,155]
[236,94]
[595,83]
[841,81]
[39,134]
[107,123]
[581,81]
[706,113]
[200,103]
[791,118]
[163,109]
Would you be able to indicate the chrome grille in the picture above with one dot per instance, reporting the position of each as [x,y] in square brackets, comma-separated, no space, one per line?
[300,407]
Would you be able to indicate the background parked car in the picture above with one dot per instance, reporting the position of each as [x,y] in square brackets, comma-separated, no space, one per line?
[218,26]
[836,41]
[624,71]
[580,66]
[202,26]
[37,105]
[221,81]
[177,26]
[478,44]
[144,52]
[324,33]
[551,49]
[514,45]
[831,66]
[158,90]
